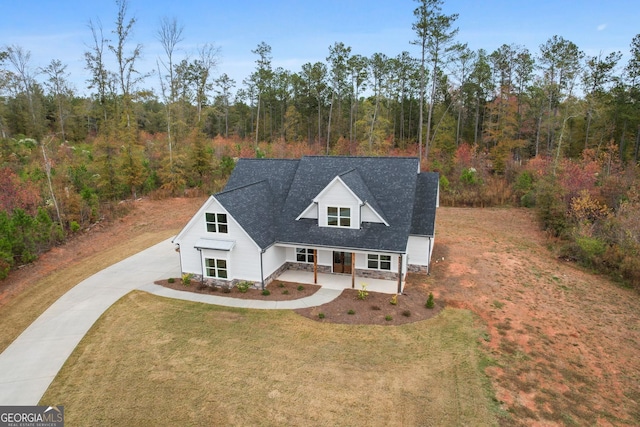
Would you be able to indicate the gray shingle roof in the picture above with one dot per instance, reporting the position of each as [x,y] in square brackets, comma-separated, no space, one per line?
[424,209]
[265,196]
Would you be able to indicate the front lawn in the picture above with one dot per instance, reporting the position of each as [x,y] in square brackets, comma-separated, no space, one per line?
[156,361]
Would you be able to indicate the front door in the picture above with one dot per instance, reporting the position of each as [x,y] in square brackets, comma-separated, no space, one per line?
[342,262]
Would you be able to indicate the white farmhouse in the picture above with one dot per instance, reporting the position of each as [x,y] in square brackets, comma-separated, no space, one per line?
[371,217]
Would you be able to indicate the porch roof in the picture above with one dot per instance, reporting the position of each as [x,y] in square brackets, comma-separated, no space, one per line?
[215,244]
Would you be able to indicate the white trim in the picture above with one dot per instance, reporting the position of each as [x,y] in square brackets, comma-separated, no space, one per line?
[339,217]
[214,244]
[307,210]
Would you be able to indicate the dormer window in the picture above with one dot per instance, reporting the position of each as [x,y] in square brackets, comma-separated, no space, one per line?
[338,217]
[216,222]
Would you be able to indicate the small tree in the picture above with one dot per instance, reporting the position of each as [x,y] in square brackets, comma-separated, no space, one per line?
[430,304]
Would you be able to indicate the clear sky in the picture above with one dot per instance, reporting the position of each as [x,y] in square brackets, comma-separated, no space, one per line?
[301,31]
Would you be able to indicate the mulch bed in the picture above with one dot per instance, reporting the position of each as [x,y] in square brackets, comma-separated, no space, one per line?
[348,308]
[278,291]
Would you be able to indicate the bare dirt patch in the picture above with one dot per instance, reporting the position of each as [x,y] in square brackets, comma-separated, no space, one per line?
[565,342]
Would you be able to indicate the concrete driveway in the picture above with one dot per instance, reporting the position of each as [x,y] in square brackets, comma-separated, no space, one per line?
[31,362]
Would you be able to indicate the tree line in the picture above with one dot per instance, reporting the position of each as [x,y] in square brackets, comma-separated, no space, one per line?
[478,117]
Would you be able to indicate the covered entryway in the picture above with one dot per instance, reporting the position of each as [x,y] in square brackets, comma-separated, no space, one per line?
[339,281]
[342,262]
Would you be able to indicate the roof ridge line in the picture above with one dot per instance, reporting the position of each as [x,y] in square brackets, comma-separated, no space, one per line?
[245,186]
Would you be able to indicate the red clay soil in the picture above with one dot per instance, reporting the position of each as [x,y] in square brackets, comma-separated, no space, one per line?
[563,344]
[566,343]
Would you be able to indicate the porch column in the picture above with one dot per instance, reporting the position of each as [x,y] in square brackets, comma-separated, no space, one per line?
[315,266]
[353,270]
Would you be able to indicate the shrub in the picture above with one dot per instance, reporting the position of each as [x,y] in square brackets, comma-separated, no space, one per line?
[394,300]
[388,318]
[281,285]
[300,288]
[266,292]
[285,292]
[351,312]
[171,280]
[470,177]
[523,189]
[320,315]
[444,183]
[430,303]
[362,293]
[4,269]
[186,279]
[244,286]
[74,226]
[590,248]
[551,207]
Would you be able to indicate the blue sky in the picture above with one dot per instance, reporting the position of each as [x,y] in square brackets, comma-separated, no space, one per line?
[301,31]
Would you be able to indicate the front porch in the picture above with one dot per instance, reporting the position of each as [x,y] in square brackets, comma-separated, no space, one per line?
[339,281]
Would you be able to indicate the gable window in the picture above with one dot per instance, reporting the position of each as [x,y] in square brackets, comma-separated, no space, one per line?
[379,262]
[304,255]
[216,267]
[216,222]
[338,217]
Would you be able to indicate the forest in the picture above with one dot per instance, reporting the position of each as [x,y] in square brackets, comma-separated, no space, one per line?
[552,129]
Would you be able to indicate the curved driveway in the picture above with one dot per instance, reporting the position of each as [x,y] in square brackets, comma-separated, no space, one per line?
[31,362]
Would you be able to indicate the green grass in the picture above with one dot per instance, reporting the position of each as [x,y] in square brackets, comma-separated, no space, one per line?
[155,361]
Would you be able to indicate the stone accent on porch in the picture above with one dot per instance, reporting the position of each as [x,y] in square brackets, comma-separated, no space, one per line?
[376,274]
[414,268]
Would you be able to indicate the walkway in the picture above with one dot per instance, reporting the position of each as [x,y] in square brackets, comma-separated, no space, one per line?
[31,362]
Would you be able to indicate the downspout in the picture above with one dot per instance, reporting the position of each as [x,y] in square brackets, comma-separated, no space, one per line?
[261,270]
[400,273]
[180,256]
[429,259]
[201,268]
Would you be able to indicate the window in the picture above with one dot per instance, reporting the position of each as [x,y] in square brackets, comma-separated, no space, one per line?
[216,268]
[216,222]
[379,262]
[338,217]
[304,255]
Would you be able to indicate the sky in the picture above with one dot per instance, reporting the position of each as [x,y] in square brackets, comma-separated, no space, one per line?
[301,31]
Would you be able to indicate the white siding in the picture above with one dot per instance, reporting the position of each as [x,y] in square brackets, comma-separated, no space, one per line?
[418,250]
[368,215]
[243,259]
[325,257]
[272,259]
[338,195]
